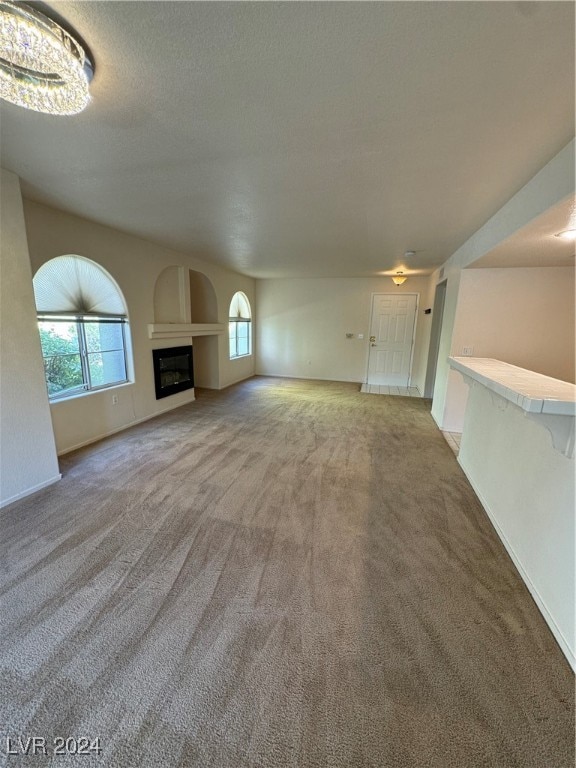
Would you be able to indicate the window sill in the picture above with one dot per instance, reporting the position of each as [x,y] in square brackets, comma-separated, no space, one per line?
[87,393]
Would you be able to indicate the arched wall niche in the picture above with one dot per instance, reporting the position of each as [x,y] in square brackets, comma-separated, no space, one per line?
[184,296]
[204,309]
[203,303]
[167,296]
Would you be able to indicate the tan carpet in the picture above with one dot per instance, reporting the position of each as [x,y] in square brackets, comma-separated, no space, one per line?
[286,573]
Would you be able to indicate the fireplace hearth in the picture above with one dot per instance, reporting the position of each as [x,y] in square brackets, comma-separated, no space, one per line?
[173,370]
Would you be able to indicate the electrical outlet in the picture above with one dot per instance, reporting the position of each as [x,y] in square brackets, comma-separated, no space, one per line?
[114,399]
[467,351]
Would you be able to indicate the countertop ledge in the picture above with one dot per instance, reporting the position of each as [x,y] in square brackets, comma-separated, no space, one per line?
[533,392]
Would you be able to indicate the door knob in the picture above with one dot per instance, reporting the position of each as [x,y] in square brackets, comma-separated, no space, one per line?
[372,338]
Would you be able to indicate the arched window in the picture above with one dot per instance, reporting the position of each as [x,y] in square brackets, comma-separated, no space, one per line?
[239,326]
[82,320]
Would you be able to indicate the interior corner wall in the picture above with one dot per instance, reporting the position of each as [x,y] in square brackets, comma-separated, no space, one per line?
[420,362]
[302,326]
[521,316]
[551,185]
[451,274]
[135,265]
[28,458]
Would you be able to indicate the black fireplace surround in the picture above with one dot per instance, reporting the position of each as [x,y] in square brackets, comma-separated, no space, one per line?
[173,370]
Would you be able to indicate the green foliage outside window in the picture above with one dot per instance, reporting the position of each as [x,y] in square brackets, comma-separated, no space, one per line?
[81,355]
[62,364]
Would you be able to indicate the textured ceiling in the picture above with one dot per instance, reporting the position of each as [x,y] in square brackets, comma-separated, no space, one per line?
[527,247]
[288,139]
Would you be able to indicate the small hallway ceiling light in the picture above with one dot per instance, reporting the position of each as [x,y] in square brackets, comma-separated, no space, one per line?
[42,67]
[567,234]
[399,278]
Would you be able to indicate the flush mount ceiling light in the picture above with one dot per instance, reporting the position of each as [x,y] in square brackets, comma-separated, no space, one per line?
[399,278]
[42,67]
[568,234]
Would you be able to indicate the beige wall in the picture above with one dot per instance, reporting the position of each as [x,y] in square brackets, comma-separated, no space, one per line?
[521,316]
[135,265]
[302,326]
[527,488]
[27,453]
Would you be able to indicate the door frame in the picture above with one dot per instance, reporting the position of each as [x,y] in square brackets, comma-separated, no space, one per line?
[435,334]
[393,293]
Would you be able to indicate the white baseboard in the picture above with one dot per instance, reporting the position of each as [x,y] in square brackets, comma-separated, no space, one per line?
[307,378]
[440,427]
[233,383]
[538,599]
[111,432]
[29,491]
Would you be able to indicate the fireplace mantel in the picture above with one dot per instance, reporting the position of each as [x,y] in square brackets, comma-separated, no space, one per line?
[183,330]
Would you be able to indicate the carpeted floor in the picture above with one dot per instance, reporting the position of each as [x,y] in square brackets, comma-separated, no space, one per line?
[286,573]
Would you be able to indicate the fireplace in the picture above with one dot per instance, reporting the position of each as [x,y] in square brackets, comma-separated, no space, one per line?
[173,370]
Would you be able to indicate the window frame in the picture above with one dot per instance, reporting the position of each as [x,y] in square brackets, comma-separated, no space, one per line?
[237,321]
[241,304]
[80,320]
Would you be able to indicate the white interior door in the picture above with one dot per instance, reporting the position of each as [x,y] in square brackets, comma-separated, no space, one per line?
[391,337]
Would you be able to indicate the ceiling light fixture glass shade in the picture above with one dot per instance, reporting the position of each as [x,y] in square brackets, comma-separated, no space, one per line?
[42,67]
[568,234]
[399,278]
